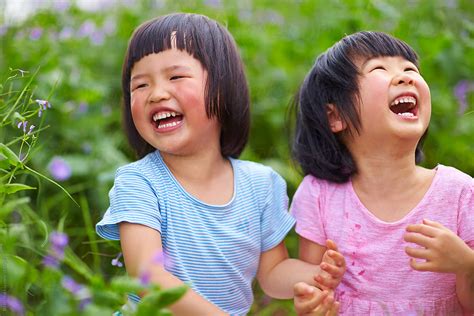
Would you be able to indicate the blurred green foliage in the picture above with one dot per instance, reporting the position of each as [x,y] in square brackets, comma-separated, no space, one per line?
[78,56]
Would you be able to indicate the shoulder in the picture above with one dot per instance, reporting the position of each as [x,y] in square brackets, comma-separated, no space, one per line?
[310,185]
[145,167]
[257,172]
[454,179]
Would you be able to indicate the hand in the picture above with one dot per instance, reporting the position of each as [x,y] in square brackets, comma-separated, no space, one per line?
[333,266]
[443,250]
[311,301]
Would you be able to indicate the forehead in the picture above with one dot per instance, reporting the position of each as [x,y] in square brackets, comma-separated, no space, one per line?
[168,60]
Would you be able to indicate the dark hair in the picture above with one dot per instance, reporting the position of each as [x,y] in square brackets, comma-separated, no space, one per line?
[333,79]
[226,92]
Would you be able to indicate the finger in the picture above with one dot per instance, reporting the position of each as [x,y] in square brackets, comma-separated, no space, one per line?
[315,302]
[302,289]
[334,309]
[423,229]
[334,271]
[418,239]
[418,253]
[433,224]
[330,244]
[337,257]
[326,305]
[422,266]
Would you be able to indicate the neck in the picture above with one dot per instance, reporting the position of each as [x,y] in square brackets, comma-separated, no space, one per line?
[198,167]
[386,170]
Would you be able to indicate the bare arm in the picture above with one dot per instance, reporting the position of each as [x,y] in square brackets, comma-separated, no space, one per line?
[277,273]
[139,245]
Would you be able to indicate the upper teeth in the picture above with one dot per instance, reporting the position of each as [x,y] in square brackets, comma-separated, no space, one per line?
[162,115]
[404,100]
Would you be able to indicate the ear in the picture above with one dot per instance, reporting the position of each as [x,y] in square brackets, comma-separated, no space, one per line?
[335,121]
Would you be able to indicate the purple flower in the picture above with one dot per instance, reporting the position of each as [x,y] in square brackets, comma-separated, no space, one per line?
[57,242]
[59,169]
[116,262]
[3,29]
[66,33]
[69,284]
[145,277]
[61,5]
[23,124]
[160,258]
[11,303]
[36,33]
[79,291]
[43,105]
[97,38]
[86,29]
[461,90]
[51,262]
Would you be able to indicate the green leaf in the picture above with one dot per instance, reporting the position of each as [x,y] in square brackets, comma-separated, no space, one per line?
[9,155]
[8,207]
[124,284]
[159,299]
[14,187]
[170,296]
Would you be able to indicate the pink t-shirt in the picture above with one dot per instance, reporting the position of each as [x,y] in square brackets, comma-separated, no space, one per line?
[379,279]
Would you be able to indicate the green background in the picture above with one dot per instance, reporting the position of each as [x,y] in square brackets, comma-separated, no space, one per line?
[79,55]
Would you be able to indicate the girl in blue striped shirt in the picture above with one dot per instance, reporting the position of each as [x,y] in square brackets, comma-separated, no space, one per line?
[219,221]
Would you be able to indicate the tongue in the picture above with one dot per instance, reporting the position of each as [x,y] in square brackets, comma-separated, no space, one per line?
[400,108]
[170,119]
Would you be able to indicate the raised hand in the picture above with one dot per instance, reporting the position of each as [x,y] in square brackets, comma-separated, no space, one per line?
[442,250]
[311,301]
[333,266]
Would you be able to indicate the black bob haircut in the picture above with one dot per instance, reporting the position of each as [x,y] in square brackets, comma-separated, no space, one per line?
[226,90]
[333,79]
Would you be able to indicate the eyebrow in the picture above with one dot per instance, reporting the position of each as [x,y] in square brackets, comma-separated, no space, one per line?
[167,69]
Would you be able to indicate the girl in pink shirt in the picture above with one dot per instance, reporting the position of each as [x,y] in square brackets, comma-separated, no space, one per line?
[406,232]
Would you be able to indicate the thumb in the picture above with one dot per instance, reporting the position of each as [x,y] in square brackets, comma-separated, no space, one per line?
[302,289]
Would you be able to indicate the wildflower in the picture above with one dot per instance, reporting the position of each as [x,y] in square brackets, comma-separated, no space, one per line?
[59,169]
[43,105]
[11,303]
[58,242]
[51,262]
[145,277]
[116,262]
[31,129]
[461,90]
[36,33]
[80,292]
[69,284]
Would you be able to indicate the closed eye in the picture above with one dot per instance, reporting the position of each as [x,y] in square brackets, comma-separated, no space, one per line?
[411,69]
[378,67]
[139,86]
[176,77]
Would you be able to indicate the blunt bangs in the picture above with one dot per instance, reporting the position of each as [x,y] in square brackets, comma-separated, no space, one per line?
[226,94]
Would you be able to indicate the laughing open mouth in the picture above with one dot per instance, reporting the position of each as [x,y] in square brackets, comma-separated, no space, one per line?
[167,119]
[404,106]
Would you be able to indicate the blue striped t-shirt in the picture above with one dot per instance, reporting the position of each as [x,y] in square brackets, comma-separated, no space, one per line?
[215,249]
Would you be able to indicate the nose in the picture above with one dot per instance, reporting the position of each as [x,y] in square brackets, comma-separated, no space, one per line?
[403,78]
[159,93]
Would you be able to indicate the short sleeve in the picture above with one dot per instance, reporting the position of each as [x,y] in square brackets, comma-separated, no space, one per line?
[305,208]
[466,214]
[276,222]
[133,200]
